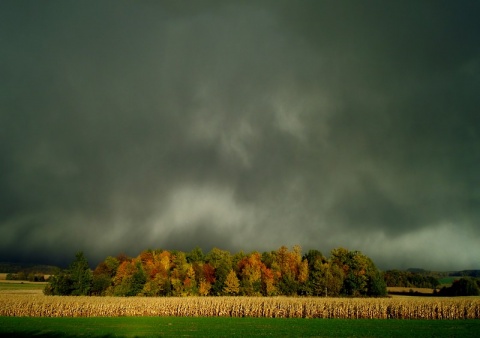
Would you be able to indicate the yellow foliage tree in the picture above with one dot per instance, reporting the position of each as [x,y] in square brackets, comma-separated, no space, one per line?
[232,284]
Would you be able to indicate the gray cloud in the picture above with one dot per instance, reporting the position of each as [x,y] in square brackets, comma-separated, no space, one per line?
[244,126]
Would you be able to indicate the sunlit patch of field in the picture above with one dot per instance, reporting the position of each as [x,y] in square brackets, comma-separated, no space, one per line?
[401,289]
[21,287]
[448,281]
[3,276]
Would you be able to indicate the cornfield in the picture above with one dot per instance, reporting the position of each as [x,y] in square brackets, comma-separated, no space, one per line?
[279,307]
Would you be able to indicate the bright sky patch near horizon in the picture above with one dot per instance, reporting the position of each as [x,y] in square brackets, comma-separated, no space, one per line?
[241,125]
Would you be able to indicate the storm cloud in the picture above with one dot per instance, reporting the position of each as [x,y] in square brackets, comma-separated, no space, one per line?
[241,125]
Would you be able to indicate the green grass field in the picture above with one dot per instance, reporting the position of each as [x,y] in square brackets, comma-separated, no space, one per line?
[21,286]
[447,281]
[228,327]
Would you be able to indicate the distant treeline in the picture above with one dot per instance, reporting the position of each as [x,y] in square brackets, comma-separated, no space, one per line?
[410,279]
[465,286]
[27,272]
[27,269]
[466,273]
[176,273]
[31,277]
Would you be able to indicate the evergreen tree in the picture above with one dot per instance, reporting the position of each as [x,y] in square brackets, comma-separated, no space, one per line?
[76,280]
[80,275]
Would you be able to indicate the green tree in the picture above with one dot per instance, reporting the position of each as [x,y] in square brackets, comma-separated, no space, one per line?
[376,285]
[59,284]
[465,286]
[316,283]
[196,255]
[138,280]
[179,273]
[335,277]
[100,284]
[326,279]
[76,280]
[221,261]
[361,277]
[81,275]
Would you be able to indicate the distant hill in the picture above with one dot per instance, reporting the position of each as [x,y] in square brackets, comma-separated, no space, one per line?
[7,267]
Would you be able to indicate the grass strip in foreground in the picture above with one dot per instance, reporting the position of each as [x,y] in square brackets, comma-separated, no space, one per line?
[232,327]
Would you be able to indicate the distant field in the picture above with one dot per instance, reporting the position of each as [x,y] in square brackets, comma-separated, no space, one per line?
[409,290]
[3,276]
[21,287]
[447,281]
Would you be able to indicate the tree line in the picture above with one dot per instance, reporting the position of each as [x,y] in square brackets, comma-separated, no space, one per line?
[410,279]
[219,273]
[31,277]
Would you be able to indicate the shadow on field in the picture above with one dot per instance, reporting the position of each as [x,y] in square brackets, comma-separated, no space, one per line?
[412,294]
[43,334]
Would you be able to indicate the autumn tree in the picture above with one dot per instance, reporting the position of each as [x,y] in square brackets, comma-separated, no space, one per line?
[161,282]
[147,259]
[129,279]
[158,275]
[303,274]
[221,261]
[250,268]
[103,275]
[270,274]
[206,279]
[268,282]
[293,272]
[204,287]
[232,284]
[209,273]
[190,283]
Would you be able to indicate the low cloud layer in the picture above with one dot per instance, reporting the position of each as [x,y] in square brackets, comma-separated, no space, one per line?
[244,126]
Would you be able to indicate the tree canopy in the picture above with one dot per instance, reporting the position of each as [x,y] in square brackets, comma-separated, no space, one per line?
[176,273]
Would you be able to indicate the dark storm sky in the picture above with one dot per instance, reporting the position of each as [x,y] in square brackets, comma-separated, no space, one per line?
[243,125]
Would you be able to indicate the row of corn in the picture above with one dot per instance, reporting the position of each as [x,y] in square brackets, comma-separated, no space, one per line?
[275,307]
